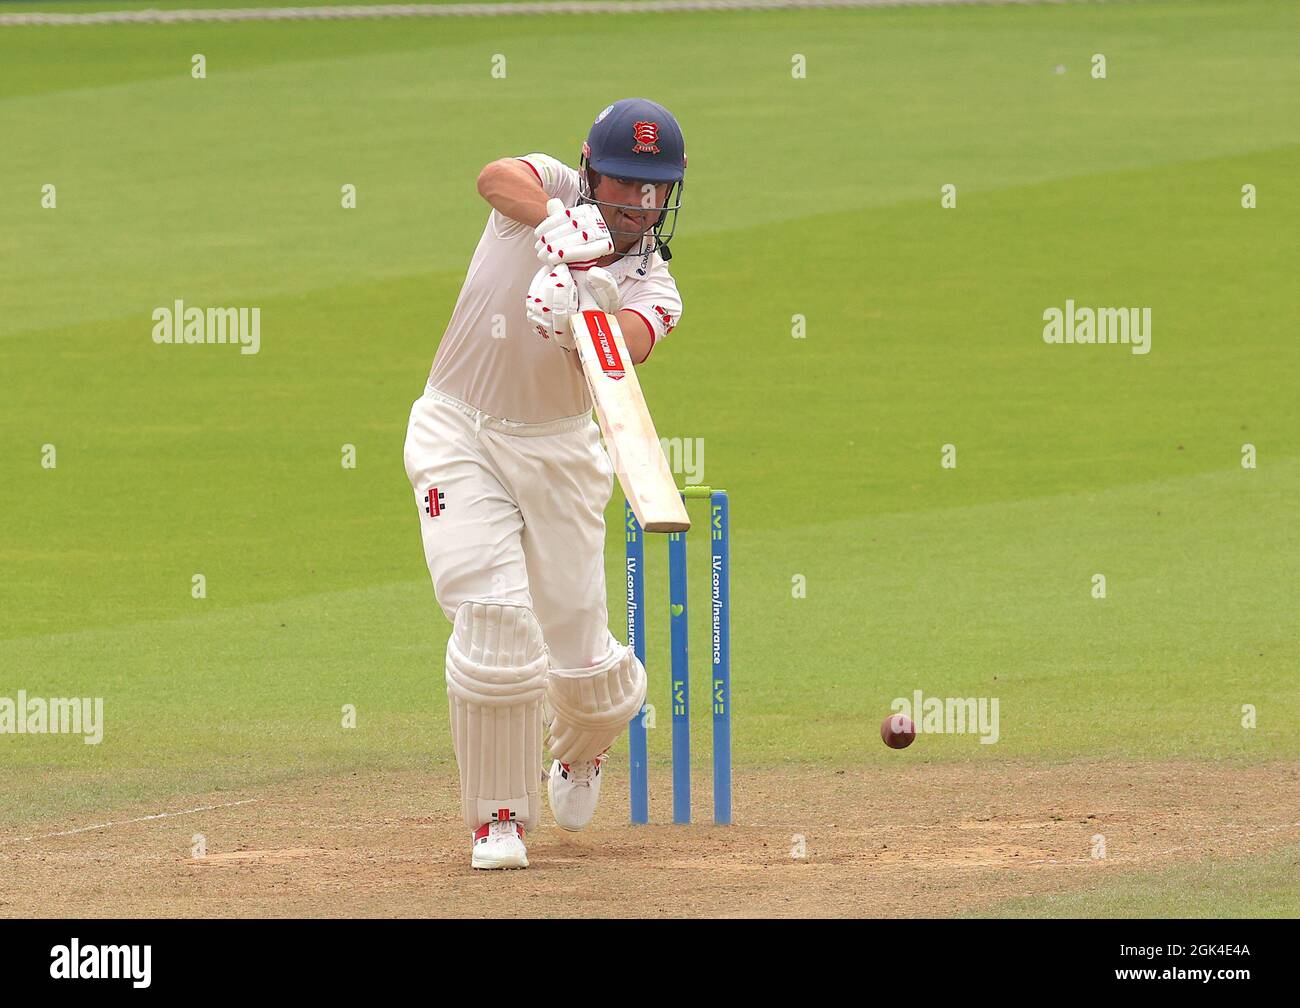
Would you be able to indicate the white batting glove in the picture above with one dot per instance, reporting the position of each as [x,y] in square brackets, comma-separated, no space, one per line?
[599,285]
[551,301]
[574,235]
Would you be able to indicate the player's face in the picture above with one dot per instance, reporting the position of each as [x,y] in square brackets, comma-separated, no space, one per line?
[644,200]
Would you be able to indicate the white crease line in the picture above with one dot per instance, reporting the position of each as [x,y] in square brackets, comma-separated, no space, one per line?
[353,11]
[127,822]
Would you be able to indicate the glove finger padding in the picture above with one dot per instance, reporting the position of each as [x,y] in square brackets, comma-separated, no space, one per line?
[590,707]
[556,214]
[574,235]
[551,301]
[599,285]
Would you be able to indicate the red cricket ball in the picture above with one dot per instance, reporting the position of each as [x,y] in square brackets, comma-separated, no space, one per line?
[897,731]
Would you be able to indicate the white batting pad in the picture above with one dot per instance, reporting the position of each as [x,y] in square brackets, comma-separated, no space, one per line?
[590,707]
[496,677]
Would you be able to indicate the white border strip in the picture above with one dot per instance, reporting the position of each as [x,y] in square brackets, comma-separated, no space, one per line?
[127,822]
[355,12]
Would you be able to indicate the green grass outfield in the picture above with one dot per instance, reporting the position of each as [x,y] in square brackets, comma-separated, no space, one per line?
[817,197]
[1265,886]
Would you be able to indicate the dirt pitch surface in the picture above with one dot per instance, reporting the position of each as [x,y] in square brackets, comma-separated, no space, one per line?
[926,841]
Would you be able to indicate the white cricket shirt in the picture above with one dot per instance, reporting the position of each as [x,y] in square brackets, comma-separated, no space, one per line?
[490,357]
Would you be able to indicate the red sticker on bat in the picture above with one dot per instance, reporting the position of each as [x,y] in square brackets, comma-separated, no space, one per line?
[602,340]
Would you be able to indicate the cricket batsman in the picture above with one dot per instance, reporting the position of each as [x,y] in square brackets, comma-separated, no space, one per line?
[511,479]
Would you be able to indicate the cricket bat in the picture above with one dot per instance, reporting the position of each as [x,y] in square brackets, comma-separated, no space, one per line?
[630,434]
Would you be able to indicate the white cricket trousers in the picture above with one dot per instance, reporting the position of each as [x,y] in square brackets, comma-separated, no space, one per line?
[515,511]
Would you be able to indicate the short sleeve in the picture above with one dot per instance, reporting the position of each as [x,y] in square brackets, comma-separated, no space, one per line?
[558,180]
[656,300]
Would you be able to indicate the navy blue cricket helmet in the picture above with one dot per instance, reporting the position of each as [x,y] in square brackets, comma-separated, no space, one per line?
[638,139]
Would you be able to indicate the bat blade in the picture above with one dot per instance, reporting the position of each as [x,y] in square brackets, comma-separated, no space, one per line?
[625,420]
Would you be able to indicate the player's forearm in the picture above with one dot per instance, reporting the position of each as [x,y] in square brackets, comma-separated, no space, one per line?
[636,335]
[512,189]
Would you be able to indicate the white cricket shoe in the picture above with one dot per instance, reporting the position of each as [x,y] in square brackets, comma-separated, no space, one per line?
[499,844]
[574,789]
